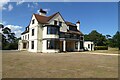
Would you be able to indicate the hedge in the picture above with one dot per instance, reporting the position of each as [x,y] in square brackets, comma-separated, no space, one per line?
[101,48]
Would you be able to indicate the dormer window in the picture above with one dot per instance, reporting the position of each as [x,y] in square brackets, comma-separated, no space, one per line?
[55,22]
[60,24]
[33,21]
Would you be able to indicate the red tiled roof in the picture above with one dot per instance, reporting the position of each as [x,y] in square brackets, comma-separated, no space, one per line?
[70,24]
[44,19]
[75,32]
[26,30]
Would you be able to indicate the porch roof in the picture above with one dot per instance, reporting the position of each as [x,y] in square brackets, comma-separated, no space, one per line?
[61,39]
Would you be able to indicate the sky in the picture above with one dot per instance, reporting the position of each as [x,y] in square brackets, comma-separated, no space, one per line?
[100,16]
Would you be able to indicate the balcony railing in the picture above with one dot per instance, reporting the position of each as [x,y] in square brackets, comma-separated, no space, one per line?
[70,36]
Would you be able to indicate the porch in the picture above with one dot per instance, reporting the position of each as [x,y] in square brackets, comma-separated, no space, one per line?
[70,45]
[23,45]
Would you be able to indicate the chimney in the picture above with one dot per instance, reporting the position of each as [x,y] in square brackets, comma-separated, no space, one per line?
[42,12]
[78,25]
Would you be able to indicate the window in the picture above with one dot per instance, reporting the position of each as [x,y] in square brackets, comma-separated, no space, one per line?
[52,44]
[76,45]
[24,45]
[33,21]
[81,38]
[32,32]
[52,30]
[60,24]
[73,28]
[88,45]
[55,22]
[81,44]
[23,37]
[32,45]
[28,36]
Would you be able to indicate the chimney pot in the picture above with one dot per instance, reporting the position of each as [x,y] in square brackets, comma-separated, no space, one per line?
[78,25]
[42,12]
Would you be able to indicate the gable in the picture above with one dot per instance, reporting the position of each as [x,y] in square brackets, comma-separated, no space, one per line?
[59,18]
[35,21]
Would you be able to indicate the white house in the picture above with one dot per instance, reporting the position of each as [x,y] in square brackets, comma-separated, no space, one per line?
[51,34]
[89,45]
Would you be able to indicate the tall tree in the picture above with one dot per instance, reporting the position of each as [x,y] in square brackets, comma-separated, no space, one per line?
[97,38]
[116,40]
[9,41]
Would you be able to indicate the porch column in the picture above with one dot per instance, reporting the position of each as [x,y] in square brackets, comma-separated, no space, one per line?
[64,45]
[78,45]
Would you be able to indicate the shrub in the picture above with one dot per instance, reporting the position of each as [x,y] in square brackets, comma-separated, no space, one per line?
[101,48]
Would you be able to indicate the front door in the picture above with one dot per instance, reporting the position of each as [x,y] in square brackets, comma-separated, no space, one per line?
[24,45]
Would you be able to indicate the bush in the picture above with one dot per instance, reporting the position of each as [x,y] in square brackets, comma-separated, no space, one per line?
[101,48]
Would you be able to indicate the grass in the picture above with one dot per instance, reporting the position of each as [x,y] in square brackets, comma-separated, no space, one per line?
[52,65]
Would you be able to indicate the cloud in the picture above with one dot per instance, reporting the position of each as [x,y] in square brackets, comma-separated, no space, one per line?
[32,5]
[47,10]
[3,3]
[38,11]
[35,3]
[28,5]
[10,7]
[16,29]
[20,2]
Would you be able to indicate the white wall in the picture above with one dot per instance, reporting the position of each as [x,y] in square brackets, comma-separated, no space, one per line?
[34,37]
[86,43]
[35,46]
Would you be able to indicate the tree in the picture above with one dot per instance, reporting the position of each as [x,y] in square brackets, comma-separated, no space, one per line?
[116,40]
[9,41]
[97,38]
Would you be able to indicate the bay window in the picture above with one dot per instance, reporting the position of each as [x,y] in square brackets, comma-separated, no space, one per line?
[52,44]
[52,30]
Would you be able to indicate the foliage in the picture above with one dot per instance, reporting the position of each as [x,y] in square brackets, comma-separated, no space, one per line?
[100,48]
[115,41]
[9,41]
[97,38]
[101,40]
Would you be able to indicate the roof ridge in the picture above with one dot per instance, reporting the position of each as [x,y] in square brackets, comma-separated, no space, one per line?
[50,17]
[47,18]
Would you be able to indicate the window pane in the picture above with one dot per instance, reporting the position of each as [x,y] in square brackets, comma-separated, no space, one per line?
[23,37]
[33,21]
[28,36]
[32,44]
[52,44]
[52,30]
[32,32]
[55,22]
[60,24]
[76,45]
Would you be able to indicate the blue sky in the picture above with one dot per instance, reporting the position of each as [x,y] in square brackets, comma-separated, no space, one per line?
[100,16]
